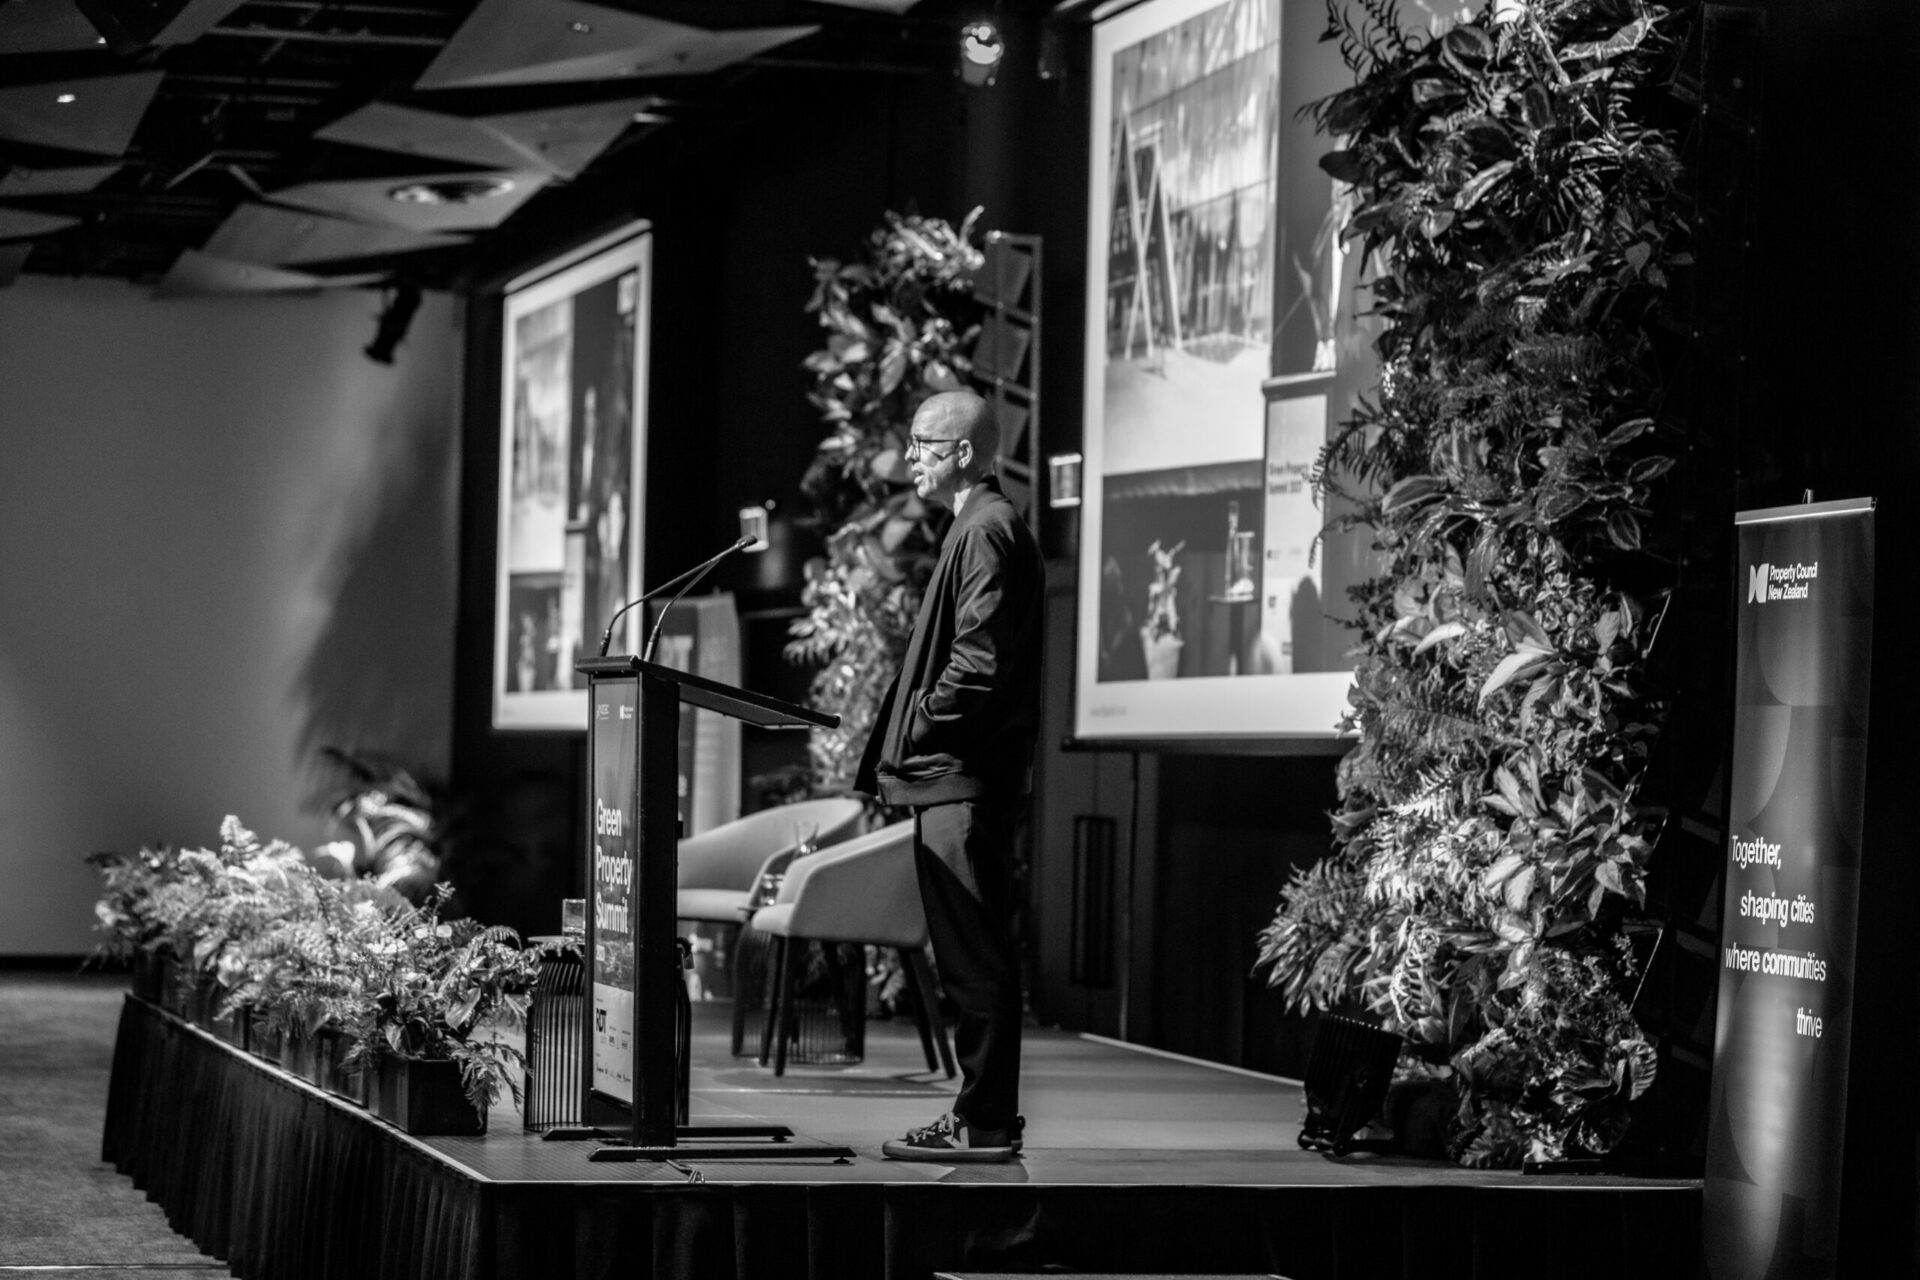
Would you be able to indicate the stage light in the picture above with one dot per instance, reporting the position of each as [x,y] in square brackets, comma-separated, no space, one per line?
[402,301]
[981,50]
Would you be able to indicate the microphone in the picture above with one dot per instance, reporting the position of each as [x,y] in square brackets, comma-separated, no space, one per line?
[690,579]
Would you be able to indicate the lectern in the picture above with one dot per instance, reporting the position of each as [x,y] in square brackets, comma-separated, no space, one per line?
[633,963]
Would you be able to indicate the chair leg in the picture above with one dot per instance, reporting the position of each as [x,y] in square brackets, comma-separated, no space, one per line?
[739,995]
[776,972]
[783,1000]
[932,1030]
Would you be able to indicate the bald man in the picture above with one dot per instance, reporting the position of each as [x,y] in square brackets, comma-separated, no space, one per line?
[954,742]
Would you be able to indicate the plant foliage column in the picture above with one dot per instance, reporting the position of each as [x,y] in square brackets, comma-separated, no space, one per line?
[898,323]
[1517,206]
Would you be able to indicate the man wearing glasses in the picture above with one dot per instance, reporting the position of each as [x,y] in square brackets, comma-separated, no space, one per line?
[954,742]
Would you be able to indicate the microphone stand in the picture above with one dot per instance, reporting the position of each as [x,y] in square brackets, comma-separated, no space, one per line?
[685,583]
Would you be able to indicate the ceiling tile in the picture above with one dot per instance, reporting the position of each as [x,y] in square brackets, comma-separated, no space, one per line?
[99,116]
[131,27]
[265,233]
[195,274]
[543,41]
[566,139]
[370,200]
[382,126]
[16,224]
[54,182]
[45,26]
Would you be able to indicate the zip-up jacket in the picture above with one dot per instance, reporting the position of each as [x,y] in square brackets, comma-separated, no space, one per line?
[960,719]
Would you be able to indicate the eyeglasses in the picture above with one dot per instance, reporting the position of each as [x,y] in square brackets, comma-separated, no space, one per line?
[918,446]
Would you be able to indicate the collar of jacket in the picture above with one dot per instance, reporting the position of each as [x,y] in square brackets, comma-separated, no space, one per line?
[986,492]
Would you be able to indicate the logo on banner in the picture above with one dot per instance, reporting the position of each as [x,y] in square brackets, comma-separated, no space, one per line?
[626,712]
[600,711]
[1777,582]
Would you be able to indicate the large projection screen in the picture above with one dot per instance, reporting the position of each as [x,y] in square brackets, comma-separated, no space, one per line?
[573,434]
[1222,340]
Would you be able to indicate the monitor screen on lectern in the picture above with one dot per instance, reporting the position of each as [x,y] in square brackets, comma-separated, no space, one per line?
[1223,344]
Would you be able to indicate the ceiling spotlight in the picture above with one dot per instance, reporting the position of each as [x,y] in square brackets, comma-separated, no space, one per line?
[580,28]
[395,315]
[451,191]
[65,98]
[981,50]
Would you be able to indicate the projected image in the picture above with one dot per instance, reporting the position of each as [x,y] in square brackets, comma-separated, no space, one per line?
[1222,342]
[572,472]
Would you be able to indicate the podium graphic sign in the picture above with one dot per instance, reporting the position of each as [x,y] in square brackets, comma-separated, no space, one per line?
[614,885]
[1796,806]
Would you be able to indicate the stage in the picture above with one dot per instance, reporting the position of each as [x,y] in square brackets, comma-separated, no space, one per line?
[1134,1163]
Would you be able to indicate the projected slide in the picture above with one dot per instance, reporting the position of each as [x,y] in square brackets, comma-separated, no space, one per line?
[572,475]
[1222,341]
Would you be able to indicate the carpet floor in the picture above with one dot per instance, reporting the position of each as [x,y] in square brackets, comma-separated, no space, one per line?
[62,1211]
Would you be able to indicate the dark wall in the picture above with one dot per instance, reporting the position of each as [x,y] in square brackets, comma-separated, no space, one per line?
[1834,407]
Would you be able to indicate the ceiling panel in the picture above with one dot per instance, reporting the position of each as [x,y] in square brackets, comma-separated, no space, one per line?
[372,199]
[16,224]
[566,140]
[513,42]
[197,274]
[45,26]
[95,114]
[384,126]
[54,182]
[266,233]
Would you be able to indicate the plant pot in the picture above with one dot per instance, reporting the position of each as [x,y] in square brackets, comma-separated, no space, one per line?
[1163,655]
[177,988]
[207,1001]
[423,1097]
[264,1040]
[149,974]
[299,1056]
[331,1046]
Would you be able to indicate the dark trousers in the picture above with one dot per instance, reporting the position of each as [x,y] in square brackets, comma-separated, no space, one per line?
[964,855]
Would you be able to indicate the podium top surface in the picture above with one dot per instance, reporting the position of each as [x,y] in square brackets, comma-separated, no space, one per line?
[741,704]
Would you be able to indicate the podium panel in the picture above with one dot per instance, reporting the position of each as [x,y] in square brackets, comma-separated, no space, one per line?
[614,766]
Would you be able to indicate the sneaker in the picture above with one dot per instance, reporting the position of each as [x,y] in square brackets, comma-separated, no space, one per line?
[951,1140]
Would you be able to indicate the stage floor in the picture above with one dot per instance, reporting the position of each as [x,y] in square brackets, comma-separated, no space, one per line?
[1098,1113]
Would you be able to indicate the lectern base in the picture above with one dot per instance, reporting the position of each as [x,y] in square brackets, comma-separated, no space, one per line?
[696,1152]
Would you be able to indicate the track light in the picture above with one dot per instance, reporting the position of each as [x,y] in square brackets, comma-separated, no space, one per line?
[402,301]
[981,50]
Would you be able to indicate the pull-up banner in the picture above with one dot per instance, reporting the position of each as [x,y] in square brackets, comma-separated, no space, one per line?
[1795,806]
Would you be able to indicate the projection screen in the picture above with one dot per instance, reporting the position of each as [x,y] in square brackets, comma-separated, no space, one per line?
[573,435]
[1222,341]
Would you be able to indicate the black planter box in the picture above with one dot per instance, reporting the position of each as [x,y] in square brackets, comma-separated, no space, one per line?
[423,1098]
[149,974]
[329,1068]
[264,1041]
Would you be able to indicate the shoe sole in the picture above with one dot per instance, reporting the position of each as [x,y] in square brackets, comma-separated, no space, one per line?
[956,1155]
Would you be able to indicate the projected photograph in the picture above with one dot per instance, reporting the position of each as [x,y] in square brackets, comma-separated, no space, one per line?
[572,456]
[1222,342]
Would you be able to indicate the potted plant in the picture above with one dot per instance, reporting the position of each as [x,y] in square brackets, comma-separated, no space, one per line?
[1160,634]
[424,1008]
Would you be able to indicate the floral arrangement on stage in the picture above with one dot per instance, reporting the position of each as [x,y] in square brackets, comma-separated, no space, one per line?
[1519,219]
[284,940]
[898,325]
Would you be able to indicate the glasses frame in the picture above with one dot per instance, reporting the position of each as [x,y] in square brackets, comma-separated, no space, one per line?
[918,448]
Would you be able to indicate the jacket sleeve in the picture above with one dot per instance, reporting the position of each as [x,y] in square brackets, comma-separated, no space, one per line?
[958,706]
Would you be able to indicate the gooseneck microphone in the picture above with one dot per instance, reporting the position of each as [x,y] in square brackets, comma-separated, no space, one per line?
[684,583]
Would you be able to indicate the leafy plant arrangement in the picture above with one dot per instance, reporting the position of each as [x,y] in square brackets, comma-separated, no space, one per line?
[1518,211]
[898,324]
[398,823]
[427,988]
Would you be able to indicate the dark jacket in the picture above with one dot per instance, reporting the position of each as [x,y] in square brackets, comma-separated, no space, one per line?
[960,719]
